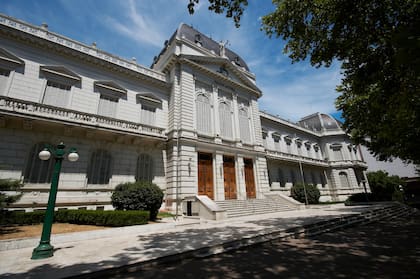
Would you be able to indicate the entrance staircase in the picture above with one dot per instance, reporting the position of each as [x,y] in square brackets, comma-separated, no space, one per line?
[239,208]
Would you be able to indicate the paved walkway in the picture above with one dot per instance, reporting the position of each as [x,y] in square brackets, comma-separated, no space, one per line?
[86,252]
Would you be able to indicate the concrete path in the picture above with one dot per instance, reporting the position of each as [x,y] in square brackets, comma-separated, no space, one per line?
[87,252]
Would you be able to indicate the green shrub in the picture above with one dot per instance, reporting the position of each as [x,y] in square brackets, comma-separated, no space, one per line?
[298,193]
[81,217]
[9,185]
[138,196]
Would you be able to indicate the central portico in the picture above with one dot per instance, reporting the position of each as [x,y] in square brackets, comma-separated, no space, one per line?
[214,131]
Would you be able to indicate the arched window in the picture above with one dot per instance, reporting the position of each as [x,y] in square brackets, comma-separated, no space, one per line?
[38,171]
[203,109]
[225,116]
[344,180]
[244,127]
[100,167]
[144,171]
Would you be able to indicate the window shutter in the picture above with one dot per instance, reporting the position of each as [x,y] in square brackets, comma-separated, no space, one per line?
[225,114]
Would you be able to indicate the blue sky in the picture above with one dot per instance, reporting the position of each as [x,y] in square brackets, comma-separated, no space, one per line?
[138,28]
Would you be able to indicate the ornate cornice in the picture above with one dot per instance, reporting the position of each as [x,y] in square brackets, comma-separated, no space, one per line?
[41,36]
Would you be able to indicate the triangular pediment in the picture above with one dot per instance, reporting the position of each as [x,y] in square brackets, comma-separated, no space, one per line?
[60,71]
[110,85]
[223,67]
[9,60]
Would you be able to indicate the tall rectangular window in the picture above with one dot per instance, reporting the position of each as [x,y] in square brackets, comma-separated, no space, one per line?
[148,114]
[4,77]
[59,83]
[204,114]
[56,94]
[149,107]
[107,106]
[225,117]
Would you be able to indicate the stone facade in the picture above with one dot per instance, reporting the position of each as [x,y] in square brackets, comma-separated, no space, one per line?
[190,123]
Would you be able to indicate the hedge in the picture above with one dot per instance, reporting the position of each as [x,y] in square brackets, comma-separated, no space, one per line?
[82,217]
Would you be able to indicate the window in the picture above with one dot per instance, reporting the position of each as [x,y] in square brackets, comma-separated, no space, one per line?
[204,108]
[144,170]
[281,178]
[110,93]
[322,178]
[4,77]
[38,171]
[225,117]
[337,153]
[149,105]
[59,83]
[8,62]
[264,137]
[244,124]
[100,167]
[293,177]
[276,138]
[288,141]
[344,180]
[313,178]
[299,146]
[56,94]
[107,106]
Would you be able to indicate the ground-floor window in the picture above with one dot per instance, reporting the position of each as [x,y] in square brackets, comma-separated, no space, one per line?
[38,171]
[144,171]
[100,167]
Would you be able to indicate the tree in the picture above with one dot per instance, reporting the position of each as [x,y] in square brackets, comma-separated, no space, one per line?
[377,43]
[383,186]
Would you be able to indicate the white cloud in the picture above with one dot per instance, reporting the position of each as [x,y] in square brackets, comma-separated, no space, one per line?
[306,94]
[139,26]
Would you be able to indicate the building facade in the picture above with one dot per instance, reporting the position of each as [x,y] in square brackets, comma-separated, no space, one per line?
[189,123]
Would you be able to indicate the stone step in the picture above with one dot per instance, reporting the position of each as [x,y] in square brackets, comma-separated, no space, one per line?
[238,208]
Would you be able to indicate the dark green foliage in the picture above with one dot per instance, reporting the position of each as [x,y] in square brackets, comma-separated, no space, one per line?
[233,8]
[102,218]
[9,185]
[80,217]
[383,186]
[298,193]
[22,218]
[138,196]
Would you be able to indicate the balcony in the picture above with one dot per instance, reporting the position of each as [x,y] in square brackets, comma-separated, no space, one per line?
[348,163]
[29,109]
[295,158]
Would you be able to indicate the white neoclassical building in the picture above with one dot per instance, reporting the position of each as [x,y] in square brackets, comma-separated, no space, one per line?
[190,123]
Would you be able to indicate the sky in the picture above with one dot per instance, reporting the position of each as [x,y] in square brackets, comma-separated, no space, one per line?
[138,28]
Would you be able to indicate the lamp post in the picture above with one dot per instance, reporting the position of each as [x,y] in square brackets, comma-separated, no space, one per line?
[45,249]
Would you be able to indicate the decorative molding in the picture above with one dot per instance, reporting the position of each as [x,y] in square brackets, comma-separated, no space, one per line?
[41,33]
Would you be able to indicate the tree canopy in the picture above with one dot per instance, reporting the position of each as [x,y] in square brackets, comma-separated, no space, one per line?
[377,43]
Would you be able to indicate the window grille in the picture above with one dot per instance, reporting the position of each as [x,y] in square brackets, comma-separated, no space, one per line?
[100,167]
[144,168]
[37,170]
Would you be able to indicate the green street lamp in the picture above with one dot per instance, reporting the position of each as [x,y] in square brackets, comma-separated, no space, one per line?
[45,249]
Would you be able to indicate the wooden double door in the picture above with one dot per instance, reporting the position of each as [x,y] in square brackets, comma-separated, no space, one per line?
[205,175]
[229,177]
[249,179]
